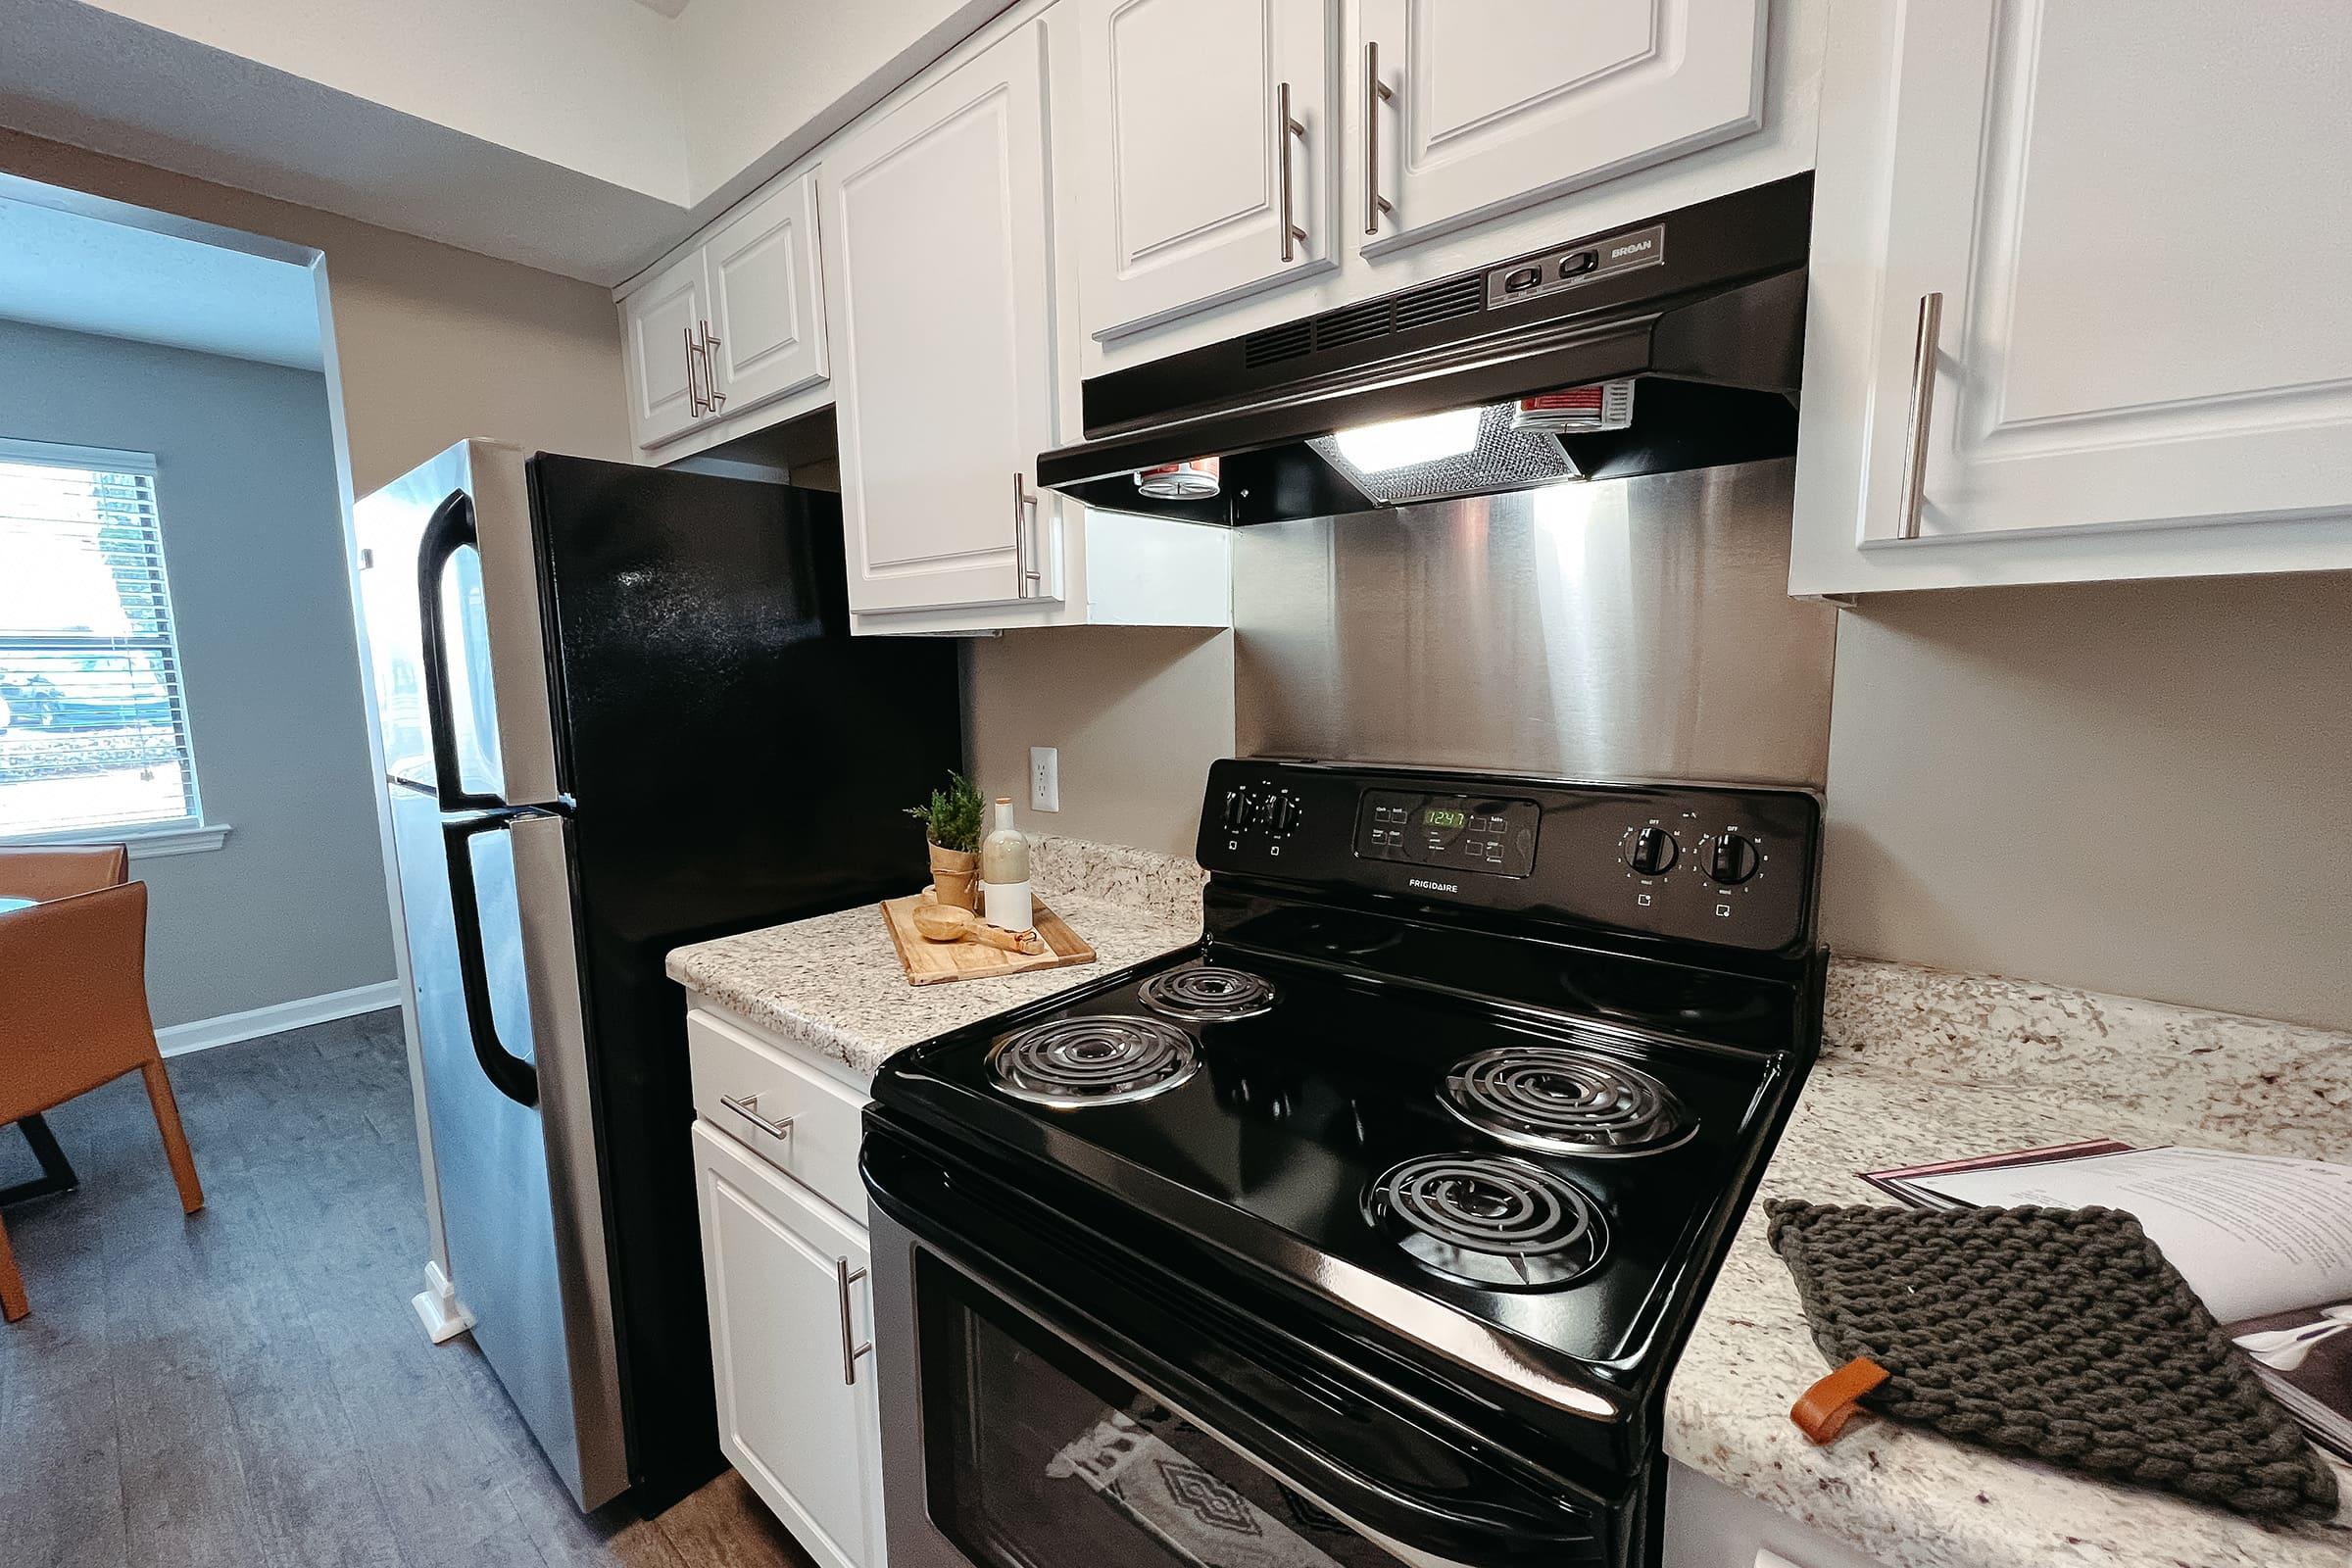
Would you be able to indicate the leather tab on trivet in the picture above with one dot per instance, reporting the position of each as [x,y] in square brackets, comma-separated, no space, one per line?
[1824,1409]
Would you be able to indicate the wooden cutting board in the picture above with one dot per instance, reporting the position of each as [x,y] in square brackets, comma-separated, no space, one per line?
[929,963]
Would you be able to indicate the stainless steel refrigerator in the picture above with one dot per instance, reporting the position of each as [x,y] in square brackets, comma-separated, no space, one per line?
[620,712]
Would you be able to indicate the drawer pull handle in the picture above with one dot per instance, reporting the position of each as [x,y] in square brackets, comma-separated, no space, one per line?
[748,1108]
[1287,126]
[1376,93]
[844,1277]
[1923,411]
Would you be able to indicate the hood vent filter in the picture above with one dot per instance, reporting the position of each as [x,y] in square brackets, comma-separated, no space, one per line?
[1503,458]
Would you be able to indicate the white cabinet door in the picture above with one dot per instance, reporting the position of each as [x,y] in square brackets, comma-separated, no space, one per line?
[1192,182]
[1493,105]
[805,1436]
[767,320]
[939,294]
[658,323]
[2134,224]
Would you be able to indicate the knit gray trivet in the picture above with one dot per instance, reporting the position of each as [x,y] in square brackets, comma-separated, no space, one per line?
[2056,1331]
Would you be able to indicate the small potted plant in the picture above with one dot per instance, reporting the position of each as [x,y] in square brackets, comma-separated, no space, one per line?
[952,821]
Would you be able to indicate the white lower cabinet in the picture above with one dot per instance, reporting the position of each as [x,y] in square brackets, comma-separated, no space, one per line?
[790,1312]
[1708,1524]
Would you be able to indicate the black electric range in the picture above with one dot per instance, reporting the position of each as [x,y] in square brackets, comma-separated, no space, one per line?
[1371,1225]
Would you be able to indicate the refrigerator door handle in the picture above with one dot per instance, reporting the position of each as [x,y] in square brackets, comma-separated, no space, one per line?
[509,1074]
[450,529]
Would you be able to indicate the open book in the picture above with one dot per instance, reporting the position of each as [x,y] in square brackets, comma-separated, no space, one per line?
[2265,1241]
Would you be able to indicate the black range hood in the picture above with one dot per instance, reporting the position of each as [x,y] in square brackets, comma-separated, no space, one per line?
[1702,310]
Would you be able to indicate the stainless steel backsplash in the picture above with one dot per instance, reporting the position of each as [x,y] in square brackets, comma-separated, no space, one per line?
[1638,628]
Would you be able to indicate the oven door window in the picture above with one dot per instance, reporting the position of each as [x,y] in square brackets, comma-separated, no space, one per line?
[1039,1457]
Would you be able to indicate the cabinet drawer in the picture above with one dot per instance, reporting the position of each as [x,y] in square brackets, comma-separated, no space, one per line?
[746,1087]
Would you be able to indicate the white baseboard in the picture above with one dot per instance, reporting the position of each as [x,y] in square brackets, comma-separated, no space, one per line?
[231,1027]
[437,1308]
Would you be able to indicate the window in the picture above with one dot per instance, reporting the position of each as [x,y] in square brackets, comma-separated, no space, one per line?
[93,726]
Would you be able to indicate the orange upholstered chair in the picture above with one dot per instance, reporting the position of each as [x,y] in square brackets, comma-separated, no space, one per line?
[58,872]
[73,1015]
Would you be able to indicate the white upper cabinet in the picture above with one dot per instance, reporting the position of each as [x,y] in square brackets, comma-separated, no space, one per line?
[938,293]
[1425,137]
[659,323]
[2078,301]
[731,325]
[1210,159]
[768,310]
[1470,109]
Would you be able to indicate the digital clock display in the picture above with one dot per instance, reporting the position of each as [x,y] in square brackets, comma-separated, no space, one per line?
[1443,816]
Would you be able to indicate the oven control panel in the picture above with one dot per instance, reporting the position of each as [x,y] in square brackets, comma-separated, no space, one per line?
[1731,865]
[1484,834]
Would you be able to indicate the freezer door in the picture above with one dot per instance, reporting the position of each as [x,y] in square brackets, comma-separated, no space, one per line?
[488,905]
[449,585]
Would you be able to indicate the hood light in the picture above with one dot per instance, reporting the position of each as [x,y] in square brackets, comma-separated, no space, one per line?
[1403,443]
[1194,479]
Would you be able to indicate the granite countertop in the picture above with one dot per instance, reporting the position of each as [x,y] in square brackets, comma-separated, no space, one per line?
[1918,1065]
[1923,1065]
[833,984]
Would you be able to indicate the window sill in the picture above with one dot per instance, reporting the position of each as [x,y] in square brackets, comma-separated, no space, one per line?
[176,841]
[150,844]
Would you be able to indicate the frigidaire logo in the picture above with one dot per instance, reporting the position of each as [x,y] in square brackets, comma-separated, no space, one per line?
[1427,885]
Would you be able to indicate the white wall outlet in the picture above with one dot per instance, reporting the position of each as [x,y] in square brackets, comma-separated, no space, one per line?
[1044,778]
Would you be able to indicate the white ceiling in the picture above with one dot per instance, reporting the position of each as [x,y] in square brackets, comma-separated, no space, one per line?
[86,274]
[668,7]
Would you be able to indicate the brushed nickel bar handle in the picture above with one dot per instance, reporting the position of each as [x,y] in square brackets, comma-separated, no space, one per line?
[844,1277]
[694,389]
[1923,410]
[1024,525]
[748,1108]
[1376,93]
[1287,126]
[714,398]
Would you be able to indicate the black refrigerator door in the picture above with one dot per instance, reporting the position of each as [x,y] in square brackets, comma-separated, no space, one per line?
[735,759]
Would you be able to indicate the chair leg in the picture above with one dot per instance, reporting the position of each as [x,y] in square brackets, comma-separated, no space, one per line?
[176,1141]
[13,1305]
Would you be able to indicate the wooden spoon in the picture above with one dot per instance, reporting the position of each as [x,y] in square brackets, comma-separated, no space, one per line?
[944,922]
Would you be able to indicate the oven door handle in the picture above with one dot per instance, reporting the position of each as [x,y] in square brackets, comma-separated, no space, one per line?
[1503,1518]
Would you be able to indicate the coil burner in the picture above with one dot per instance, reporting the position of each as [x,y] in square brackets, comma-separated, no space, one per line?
[1092,1060]
[1561,1100]
[1488,1219]
[1208,993]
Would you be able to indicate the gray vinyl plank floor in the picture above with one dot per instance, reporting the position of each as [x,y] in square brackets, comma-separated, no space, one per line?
[247,1386]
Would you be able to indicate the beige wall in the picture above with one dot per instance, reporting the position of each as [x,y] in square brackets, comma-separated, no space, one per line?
[1138,714]
[2134,787]
[433,343]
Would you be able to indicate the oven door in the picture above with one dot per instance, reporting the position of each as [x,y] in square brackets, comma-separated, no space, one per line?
[1048,1405]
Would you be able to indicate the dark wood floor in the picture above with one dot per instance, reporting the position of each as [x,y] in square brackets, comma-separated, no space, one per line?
[248,1387]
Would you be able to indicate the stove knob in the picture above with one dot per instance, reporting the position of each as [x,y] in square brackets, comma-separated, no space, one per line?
[1653,851]
[1735,859]
[1286,815]
[1237,808]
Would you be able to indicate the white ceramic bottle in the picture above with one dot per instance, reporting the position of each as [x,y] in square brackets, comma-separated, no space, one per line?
[1005,872]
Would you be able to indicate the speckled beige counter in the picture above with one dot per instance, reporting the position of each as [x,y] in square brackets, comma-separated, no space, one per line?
[1919,1065]
[834,986]
[1923,1065]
